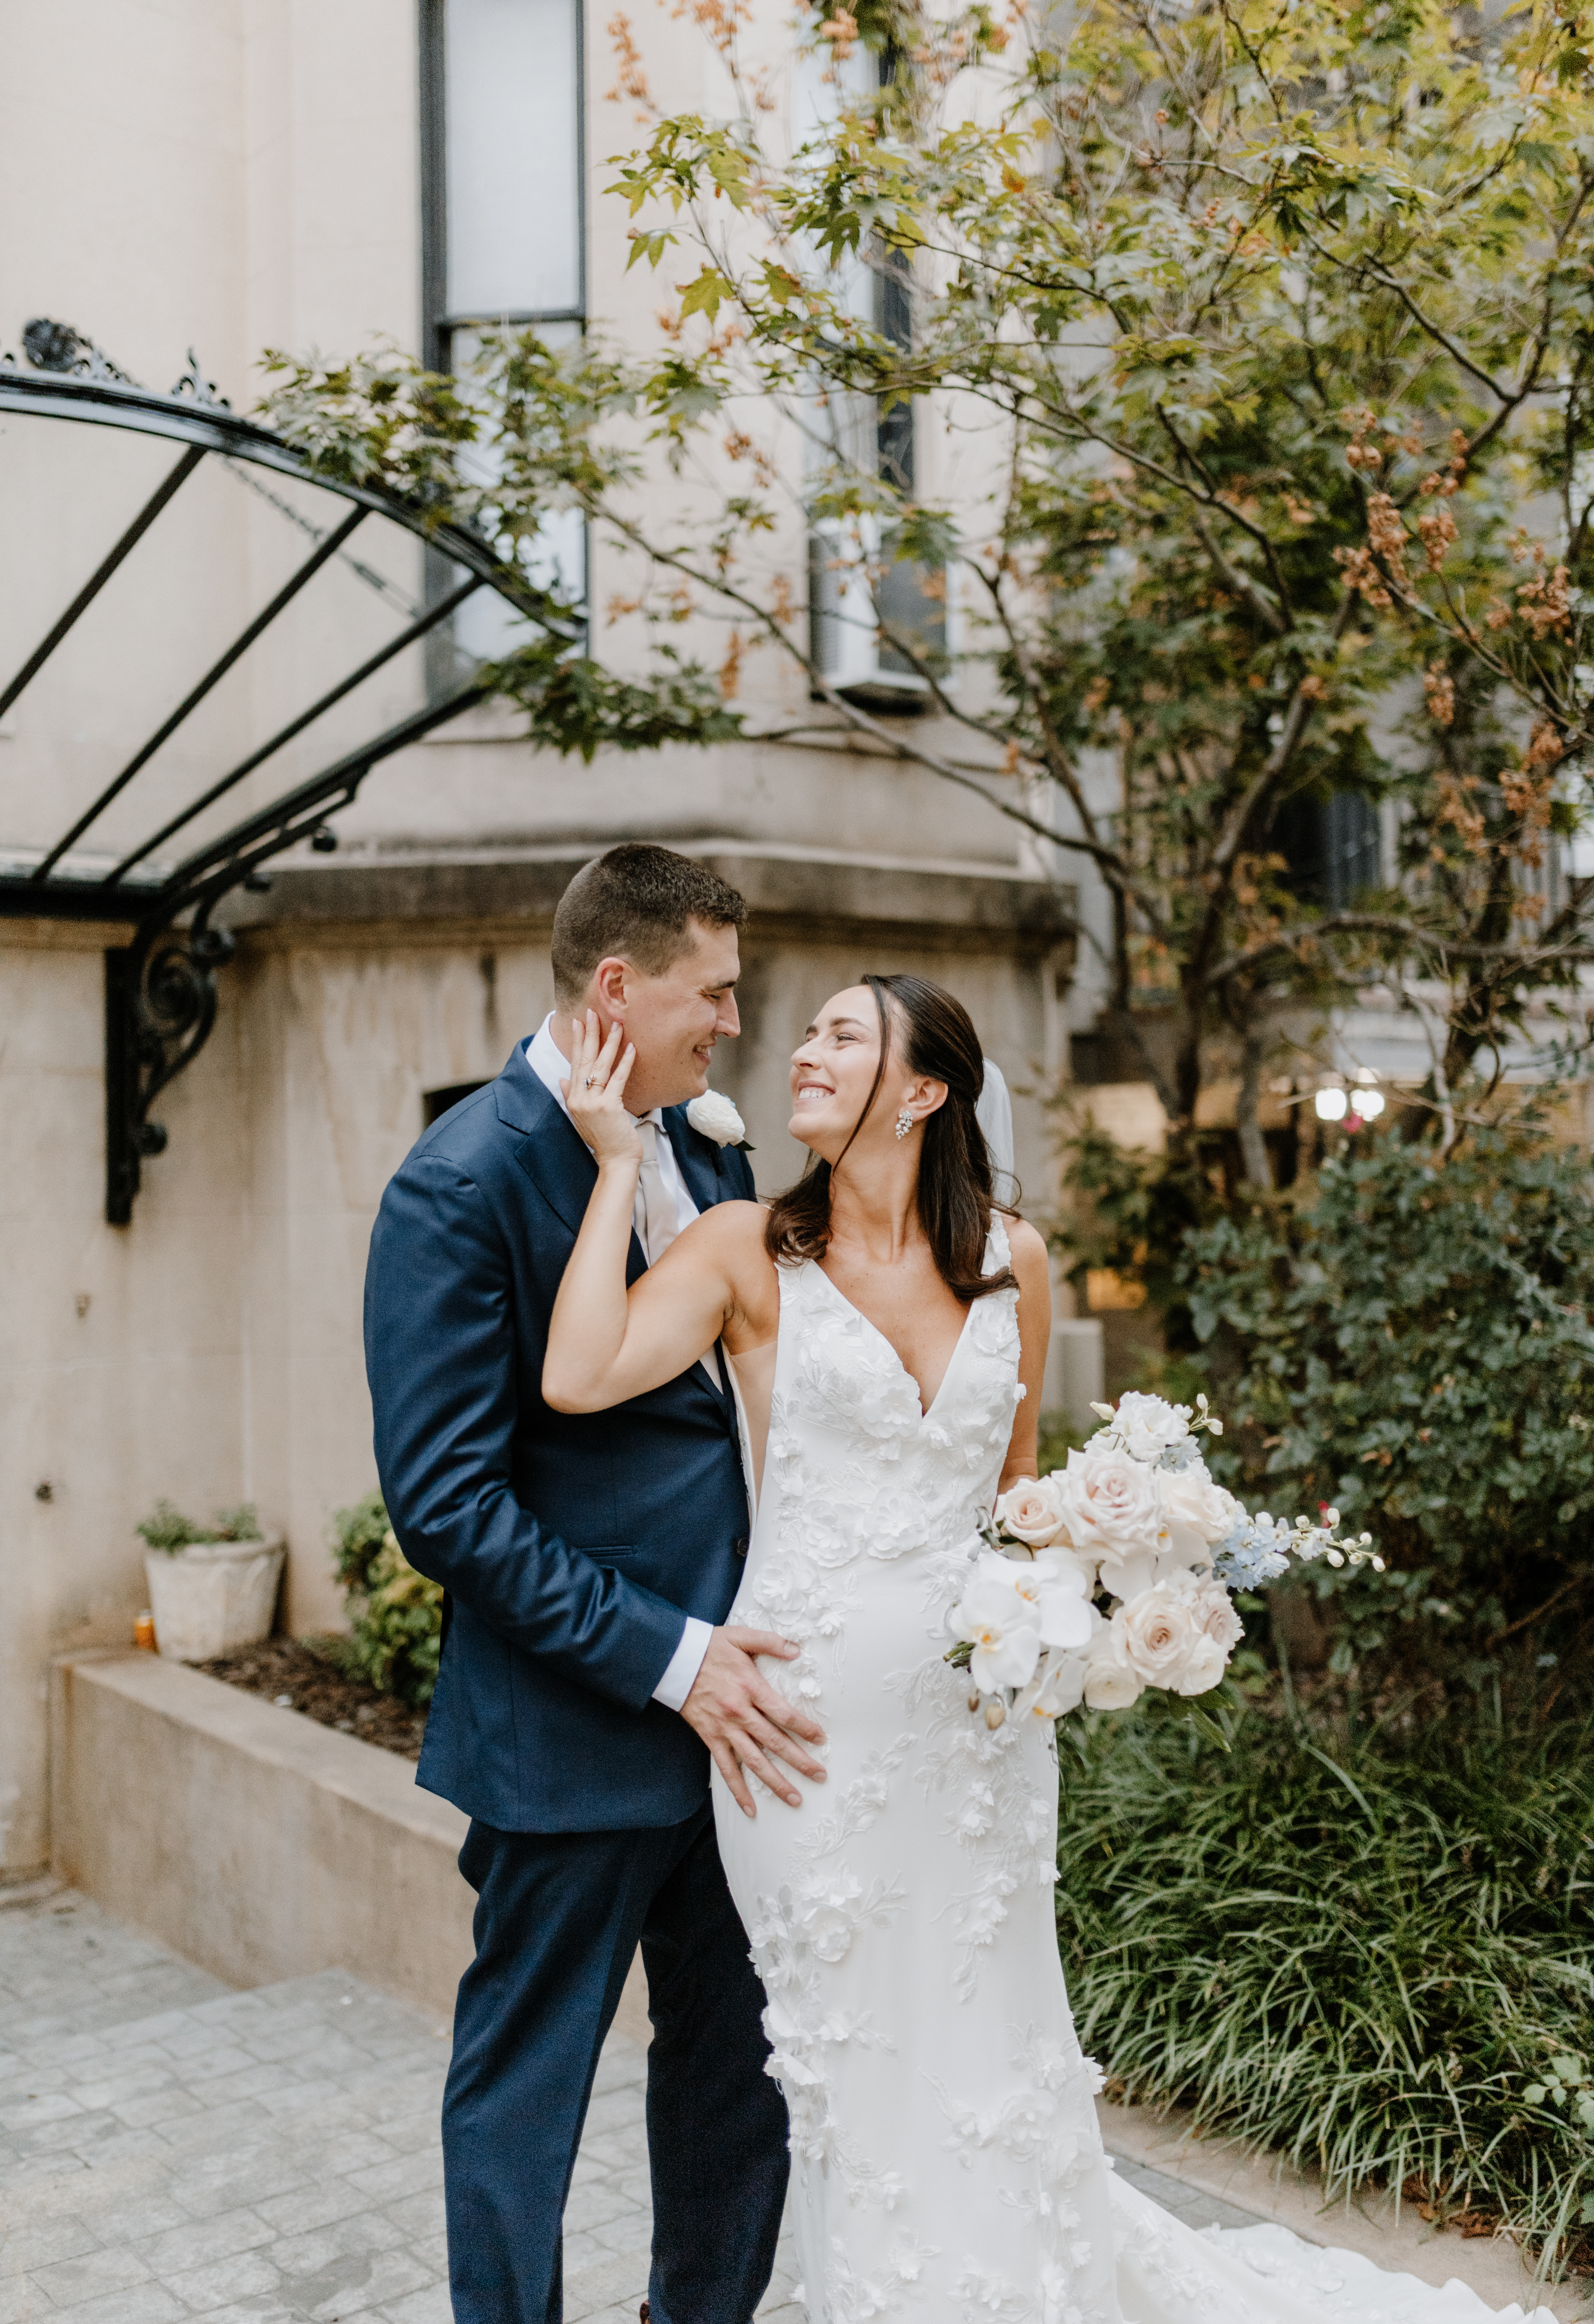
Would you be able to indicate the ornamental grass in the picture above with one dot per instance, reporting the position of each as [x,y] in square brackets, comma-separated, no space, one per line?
[1371,1950]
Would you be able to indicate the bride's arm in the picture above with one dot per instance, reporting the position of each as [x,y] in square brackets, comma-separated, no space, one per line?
[604,1343]
[1034,1332]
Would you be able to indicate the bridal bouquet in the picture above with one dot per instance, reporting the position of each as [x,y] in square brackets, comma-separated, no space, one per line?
[1117,1573]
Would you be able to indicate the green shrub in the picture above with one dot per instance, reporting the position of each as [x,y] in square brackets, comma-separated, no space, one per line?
[1059,1435]
[1411,1341]
[1373,1954]
[395,1614]
[167,1529]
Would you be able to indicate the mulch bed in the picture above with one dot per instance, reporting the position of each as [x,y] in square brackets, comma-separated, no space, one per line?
[296,1677]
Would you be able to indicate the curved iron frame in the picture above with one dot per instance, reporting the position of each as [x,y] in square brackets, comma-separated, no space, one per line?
[160,997]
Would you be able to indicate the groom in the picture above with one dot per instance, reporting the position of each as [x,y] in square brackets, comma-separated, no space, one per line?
[589,1562]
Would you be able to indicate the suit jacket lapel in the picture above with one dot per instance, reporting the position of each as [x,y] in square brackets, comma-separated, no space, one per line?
[698,1157]
[699,1161]
[554,1158]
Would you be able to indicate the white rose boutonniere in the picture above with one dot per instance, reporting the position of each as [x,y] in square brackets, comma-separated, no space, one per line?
[713,1116]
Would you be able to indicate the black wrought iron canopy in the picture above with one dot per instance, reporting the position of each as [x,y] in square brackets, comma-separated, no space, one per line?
[161,996]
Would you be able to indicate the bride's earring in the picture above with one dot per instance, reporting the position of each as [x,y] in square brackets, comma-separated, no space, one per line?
[904,1122]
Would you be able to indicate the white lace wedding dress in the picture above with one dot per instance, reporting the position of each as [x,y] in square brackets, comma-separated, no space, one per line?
[948,2166]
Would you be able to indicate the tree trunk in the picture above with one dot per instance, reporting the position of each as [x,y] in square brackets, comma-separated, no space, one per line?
[1247,1111]
[1187,1076]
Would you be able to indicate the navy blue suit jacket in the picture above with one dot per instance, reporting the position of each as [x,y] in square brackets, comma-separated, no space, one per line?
[570,1544]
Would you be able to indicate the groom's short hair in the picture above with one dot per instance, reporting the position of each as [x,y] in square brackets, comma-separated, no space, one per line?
[635,903]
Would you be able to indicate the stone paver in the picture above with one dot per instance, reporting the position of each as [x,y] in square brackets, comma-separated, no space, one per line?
[172,2152]
[1187,2203]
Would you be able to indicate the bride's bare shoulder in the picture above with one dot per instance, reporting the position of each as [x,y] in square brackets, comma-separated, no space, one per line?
[734,1233]
[732,1224]
[1027,1246]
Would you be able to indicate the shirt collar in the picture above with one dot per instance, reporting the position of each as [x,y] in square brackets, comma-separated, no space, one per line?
[543,1056]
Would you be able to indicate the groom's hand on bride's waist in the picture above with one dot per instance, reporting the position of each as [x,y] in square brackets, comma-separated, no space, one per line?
[745,1723]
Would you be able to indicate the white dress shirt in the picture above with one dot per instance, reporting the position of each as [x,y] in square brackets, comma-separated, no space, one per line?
[551,1068]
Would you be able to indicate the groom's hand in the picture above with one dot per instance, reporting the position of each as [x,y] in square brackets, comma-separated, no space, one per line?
[745,1724]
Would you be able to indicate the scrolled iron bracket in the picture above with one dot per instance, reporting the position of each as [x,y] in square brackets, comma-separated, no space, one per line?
[161,988]
[160,1002]
[58,346]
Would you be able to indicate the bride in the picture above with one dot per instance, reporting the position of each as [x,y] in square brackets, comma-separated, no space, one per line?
[887,1328]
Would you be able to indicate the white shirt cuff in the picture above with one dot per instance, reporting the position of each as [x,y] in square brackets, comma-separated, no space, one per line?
[680,1675]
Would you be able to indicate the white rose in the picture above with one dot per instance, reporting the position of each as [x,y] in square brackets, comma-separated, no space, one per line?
[1196,1512]
[713,1115]
[1203,1668]
[1110,1683]
[1158,1631]
[1032,1511]
[1148,1425]
[1214,1610]
[1111,1504]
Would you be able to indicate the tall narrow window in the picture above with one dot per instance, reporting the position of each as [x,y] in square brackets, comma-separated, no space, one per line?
[504,239]
[850,619]
[501,83]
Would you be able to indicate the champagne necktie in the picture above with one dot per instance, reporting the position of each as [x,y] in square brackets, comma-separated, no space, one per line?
[653,1212]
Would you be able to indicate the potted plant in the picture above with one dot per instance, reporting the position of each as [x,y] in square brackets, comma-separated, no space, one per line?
[213,1589]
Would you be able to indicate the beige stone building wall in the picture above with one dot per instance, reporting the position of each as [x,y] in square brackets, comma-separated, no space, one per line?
[212,1350]
[238,173]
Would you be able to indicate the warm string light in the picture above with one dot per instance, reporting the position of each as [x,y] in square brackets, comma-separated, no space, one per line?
[1361,1105]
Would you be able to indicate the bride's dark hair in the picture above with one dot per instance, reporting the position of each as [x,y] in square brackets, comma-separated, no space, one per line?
[955,1191]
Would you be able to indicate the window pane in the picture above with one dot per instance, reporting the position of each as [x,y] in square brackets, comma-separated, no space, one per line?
[514,194]
[486,626]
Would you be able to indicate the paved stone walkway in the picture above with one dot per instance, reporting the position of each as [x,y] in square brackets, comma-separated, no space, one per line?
[170,2150]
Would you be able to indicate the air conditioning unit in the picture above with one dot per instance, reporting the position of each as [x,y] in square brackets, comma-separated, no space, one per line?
[845,628]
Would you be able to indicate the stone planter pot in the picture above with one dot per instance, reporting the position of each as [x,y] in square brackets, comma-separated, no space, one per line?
[214,1597]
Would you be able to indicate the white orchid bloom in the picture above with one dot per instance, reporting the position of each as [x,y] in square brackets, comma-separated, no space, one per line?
[1059,1588]
[1058,1688]
[1129,1573]
[1000,1622]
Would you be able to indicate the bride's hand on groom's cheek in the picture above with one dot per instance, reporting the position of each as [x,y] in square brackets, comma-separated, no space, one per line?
[745,1723]
[595,1094]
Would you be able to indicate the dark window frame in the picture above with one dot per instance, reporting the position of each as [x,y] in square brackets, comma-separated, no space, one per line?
[435,1102]
[437,323]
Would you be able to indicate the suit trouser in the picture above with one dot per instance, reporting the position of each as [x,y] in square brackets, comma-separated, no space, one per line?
[558,1918]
